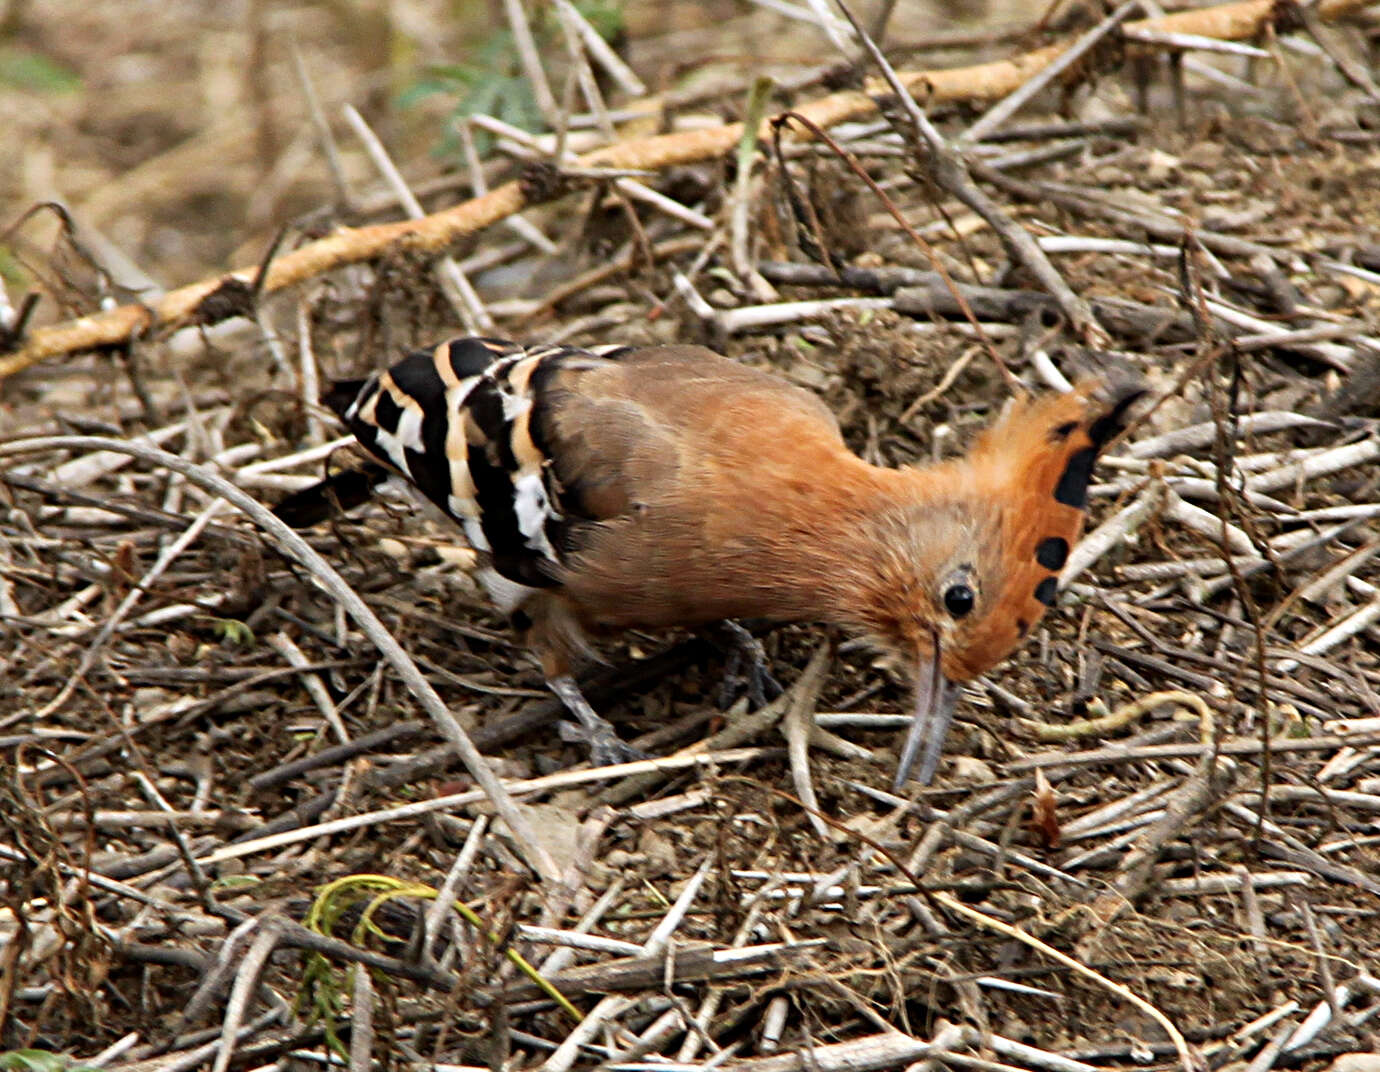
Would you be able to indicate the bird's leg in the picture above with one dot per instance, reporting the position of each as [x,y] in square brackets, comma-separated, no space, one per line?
[605,746]
[745,653]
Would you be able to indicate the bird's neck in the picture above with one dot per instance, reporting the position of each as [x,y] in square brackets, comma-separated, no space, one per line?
[861,534]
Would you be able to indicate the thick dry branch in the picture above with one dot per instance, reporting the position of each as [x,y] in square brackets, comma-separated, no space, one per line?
[893,1050]
[439,231]
[692,963]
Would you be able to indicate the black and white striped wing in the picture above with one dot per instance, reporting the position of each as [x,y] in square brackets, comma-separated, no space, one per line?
[457,422]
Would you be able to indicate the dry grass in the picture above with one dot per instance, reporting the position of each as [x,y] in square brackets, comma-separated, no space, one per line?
[185,834]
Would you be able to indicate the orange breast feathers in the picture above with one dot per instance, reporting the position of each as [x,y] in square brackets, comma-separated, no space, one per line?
[657,486]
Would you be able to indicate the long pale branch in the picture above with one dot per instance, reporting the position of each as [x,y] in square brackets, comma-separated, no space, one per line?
[440,230]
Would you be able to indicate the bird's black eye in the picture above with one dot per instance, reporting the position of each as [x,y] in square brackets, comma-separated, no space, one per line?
[958,599]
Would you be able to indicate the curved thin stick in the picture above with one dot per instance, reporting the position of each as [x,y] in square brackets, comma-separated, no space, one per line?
[1190,1061]
[324,573]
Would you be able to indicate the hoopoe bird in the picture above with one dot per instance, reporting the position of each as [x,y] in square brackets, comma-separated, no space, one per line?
[617,487]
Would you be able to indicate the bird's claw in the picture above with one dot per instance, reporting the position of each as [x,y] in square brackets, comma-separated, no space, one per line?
[606,748]
[747,664]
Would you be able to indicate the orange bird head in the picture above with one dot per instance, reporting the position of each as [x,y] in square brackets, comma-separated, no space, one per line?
[974,555]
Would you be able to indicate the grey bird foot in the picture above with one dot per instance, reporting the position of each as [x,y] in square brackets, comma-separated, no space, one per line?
[746,665]
[605,746]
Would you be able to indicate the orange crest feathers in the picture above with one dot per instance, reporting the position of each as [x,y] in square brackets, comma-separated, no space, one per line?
[1034,464]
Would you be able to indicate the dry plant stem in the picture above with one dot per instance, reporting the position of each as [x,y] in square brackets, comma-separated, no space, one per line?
[588,838]
[1111,532]
[1013,103]
[520,225]
[1321,463]
[1329,984]
[1122,717]
[972,841]
[1255,920]
[1197,436]
[565,954]
[191,1059]
[660,938]
[947,1038]
[741,201]
[773,1024]
[892,1050]
[988,81]
[9,318]
[1027,1055]
[560,780]
[1270,1052]
[1215,531]
[584,74]
[283,645]
[9,607]
[143,778]
[1235,883]
[1213,777]
[688,962]
[568,1052]
[454,283]
[951,374]
[827,21]
[114,1051]
[1187,1058]
[214,978]
[362,1003]
[600,52]
[1116,810]
[697,1034]
[323,131]
[949,172]
[530,58]
[441,906]
[1361,618]
[1187,42]
[165,559]
[265,940]
[1260,1024]
[1353,72]
[728,322]
[289,541]
[1317,1020]
[671,247]
[309,380]
[799,722]
[590,942]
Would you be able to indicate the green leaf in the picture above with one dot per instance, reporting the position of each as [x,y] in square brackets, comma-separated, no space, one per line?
[415,94]
[36,72]
[606,16]
[492,83]
[39,1061]
[235,882]
[455,75]
[233,631]
[10,270]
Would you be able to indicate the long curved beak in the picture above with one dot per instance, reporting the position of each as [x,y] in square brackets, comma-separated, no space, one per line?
[935,699]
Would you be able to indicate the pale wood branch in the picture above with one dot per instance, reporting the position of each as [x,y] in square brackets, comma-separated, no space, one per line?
[439,231]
